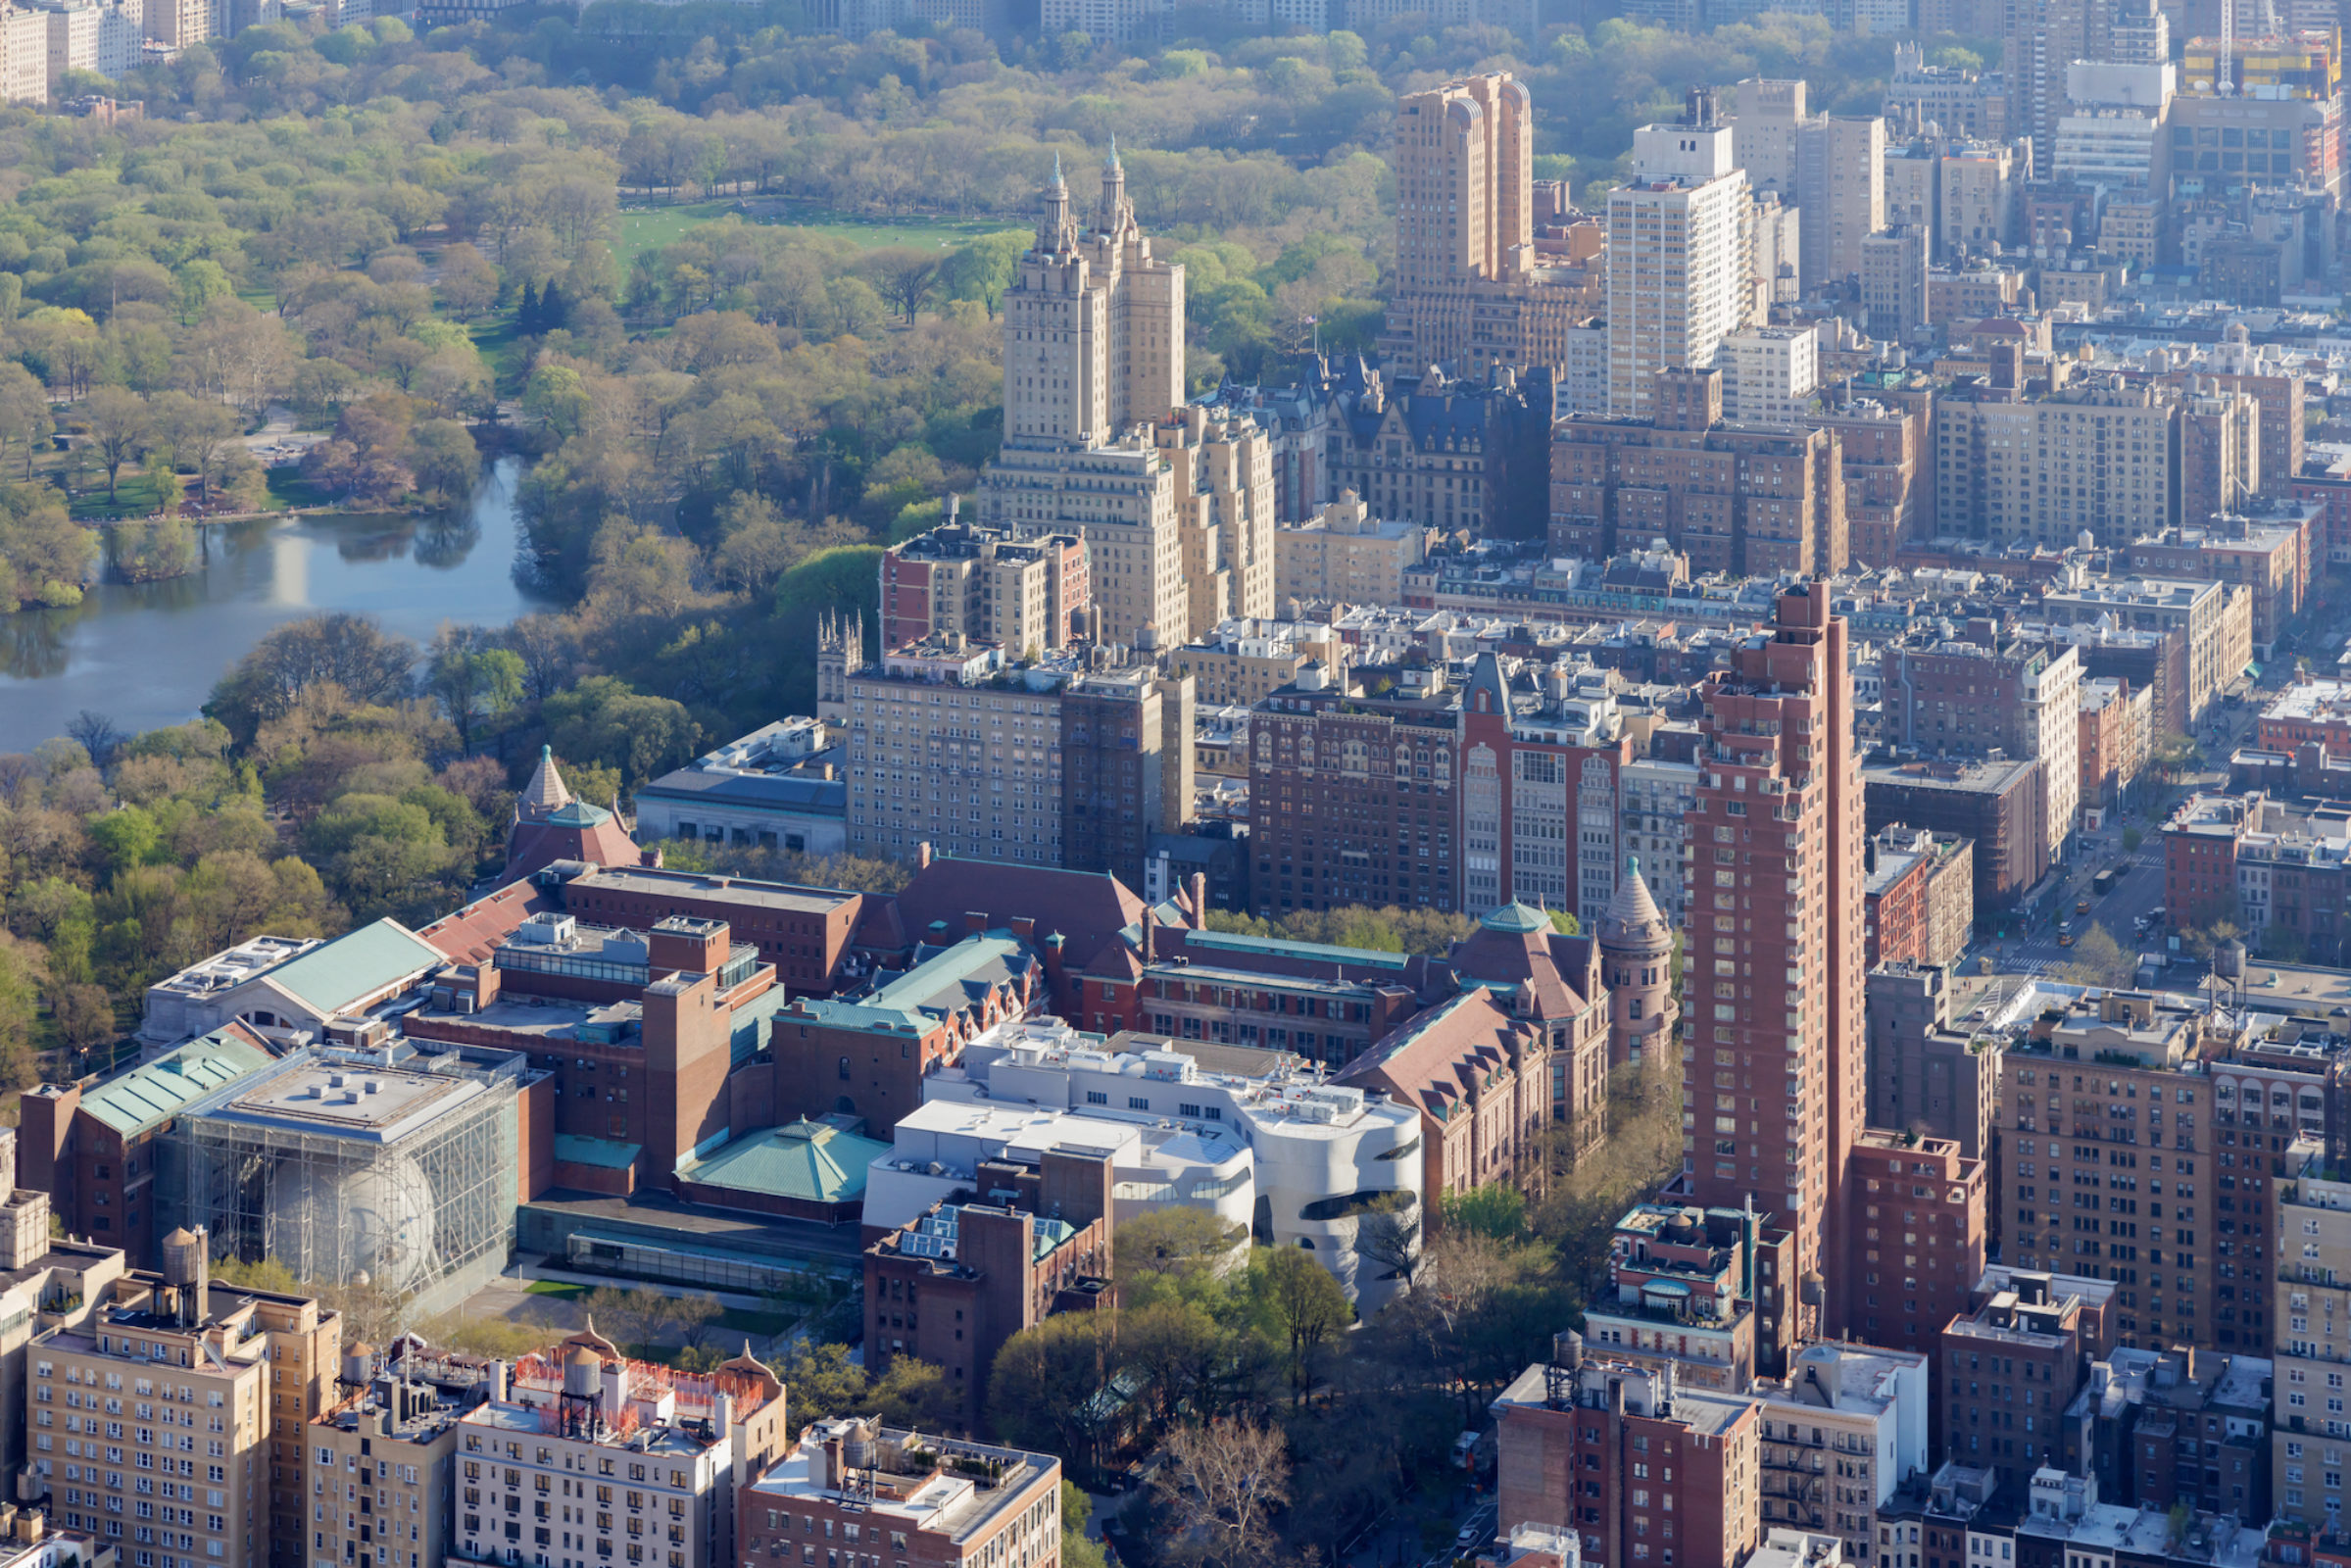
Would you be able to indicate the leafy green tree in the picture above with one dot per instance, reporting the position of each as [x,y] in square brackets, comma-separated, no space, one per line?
[445,460]
[904,276]
[1174,1253]
[1047,1390]
[1302,1302]
[982,270]
[605,721]
[198,282]
[22,974]
[473,679]
[469,284]
[1078,1549]
[826,1383]
[1493,1209]
[119,424]
[916,1394]
[125,837]
[25,418]
[556,397]
[2098,959]
[2172,754]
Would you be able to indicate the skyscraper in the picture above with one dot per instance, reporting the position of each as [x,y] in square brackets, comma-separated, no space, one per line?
[1771,1009]
[2039,39]
[1469,295]
[1175,505]
[1678,261]
[1093,327]
[1831,168]
[1464,170]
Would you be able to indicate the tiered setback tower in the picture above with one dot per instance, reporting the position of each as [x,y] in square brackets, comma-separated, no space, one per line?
[1464,166]
[1093,328]
[1772,1071]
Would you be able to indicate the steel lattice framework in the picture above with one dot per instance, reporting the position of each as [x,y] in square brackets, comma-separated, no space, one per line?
[430,1214]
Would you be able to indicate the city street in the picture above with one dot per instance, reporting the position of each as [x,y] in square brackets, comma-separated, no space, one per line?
[2140,888]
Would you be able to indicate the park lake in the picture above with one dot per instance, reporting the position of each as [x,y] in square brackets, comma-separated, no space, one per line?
[147,654]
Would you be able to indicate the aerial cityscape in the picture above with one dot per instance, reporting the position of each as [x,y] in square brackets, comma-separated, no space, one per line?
[1037,783]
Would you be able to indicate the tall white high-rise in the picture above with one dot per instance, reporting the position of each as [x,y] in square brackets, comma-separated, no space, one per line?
[1678,264]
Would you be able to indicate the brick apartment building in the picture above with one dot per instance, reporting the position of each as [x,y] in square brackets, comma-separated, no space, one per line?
[952,1286]
[1882,446]
[1988,696]
[900,1496]
[984,586]
[1998,804]
[2275,866]
[1918,1243]
[2116,735]
[1772,1003]
[2145,1217]
[2263,546]
[1744,499]
[1926,1077]
[1540,783]
[2009,1368]
[1352,799]
[1919,903]
[1634,1462]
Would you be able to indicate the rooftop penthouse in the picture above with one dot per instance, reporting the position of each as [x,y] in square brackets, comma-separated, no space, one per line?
[899,1481]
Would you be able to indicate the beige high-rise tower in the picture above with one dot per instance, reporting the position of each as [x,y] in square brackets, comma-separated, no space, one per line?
[1469,293]
[1464,164]
[1830,168]
[1175,504]
[1093,328]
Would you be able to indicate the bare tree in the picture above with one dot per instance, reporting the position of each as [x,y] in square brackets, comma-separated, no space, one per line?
[1387,1236]
[695,1319]
[1223,1485]
[904,276]
[97,733]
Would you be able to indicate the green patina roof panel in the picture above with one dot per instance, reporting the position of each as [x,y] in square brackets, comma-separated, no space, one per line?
[604,1153]
[330,978]
[145,1097]
[1282,948]
[804,1159]
[944,981]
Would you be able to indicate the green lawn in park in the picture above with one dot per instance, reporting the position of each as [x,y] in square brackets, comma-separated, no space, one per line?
[643,228]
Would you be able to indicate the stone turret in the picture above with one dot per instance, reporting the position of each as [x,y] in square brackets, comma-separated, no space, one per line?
[1637,950]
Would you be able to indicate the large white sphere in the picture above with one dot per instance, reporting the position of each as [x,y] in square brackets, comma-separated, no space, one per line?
[373,1222]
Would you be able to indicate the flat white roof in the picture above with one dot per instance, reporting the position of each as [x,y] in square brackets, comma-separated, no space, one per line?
[379,1104]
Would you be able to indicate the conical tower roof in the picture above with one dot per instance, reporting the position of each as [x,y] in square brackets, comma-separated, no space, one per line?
[1633,912]
[545,792]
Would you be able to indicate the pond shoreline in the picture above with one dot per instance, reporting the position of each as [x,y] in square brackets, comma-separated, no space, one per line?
[148,652]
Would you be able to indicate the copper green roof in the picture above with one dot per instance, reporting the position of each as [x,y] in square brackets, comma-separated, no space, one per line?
[147,1097]
[804,1159]
[329,978]
[605,1153]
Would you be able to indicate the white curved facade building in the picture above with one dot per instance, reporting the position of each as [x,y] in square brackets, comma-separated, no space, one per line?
[1295,1158]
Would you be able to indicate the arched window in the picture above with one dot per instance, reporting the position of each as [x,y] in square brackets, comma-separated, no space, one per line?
[845,1069]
